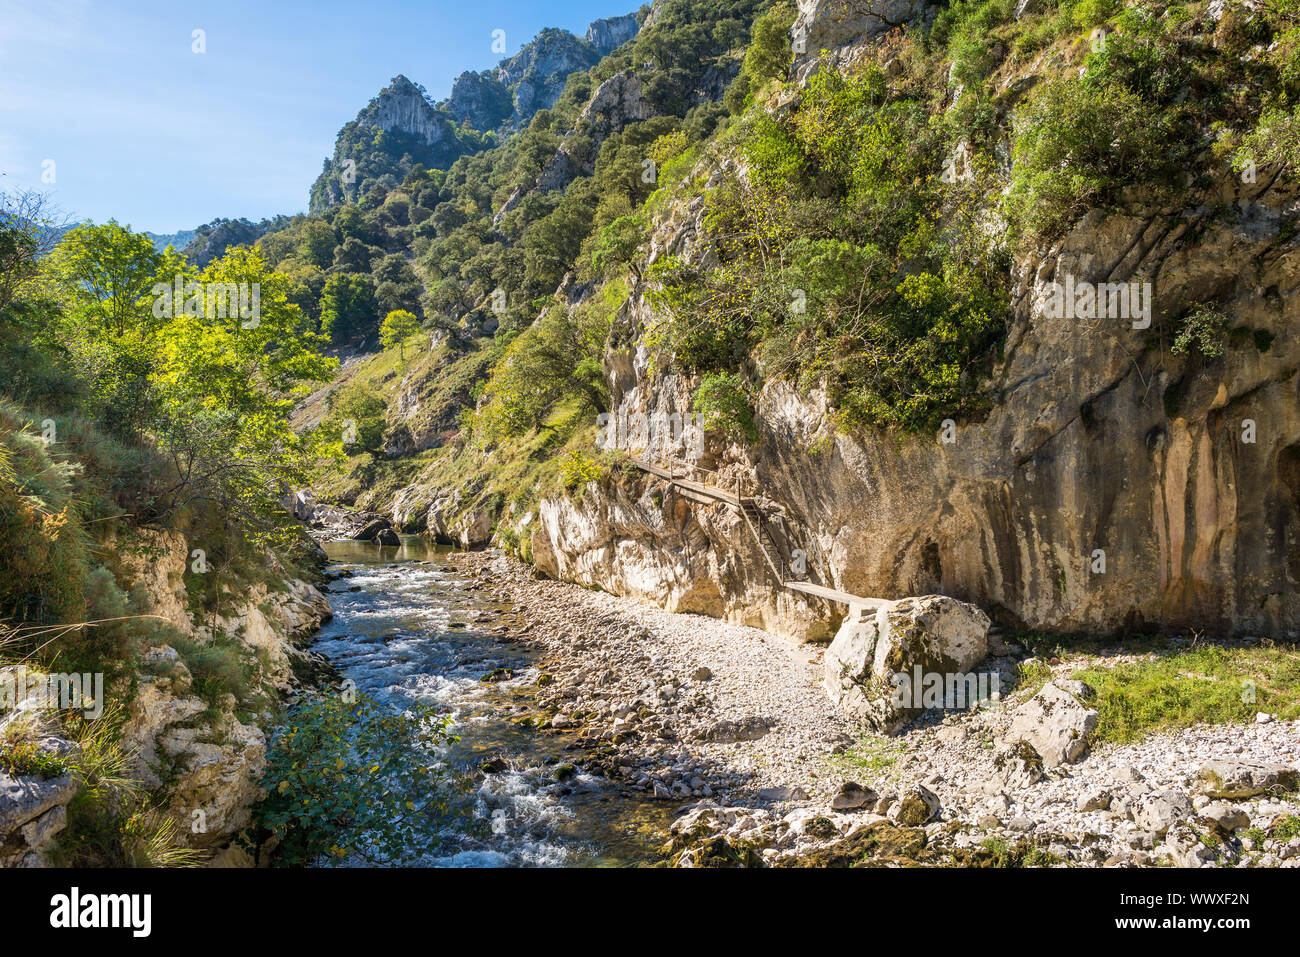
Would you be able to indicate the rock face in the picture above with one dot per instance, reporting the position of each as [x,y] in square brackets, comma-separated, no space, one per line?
[401,107]
[937,634]
[609,33]
[538,72]
[32,811]
[845,27]
[32,806]
[1100,447]
[205,766]
[481,99]
[1055,723]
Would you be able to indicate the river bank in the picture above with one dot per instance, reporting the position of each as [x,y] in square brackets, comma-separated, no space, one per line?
[731,727]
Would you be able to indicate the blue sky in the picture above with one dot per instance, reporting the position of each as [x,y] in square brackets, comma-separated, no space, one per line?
[142,129]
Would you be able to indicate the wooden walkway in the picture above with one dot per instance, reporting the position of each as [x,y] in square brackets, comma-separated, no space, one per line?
[753,519]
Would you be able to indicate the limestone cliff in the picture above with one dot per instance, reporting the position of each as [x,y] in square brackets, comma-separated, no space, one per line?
[1099,442]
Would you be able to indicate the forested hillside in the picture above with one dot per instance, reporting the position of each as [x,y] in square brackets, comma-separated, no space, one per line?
[746,195]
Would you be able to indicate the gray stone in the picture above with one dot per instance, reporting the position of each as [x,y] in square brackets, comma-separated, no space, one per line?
[40,832]
[1157,811]
[1230,778]
[1055,724]
[24,798]
[1226,817]
[916,805]
[852,796]
[730,732]
[935,633]
[1095,799]
[1016,766]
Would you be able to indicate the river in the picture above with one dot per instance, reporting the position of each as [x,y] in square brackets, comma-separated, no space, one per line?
[409,627]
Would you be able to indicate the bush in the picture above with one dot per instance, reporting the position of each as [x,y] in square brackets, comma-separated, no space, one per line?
[723,400]
[1203,330]
[355,779]
[1076,145]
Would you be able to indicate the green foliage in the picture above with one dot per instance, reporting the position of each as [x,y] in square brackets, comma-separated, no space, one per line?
[578,468]
[723,400]
[28,758]
[106,273]
[831,266]
[1076,144]
[1203,330]
[768,56]
[347,307]
[559,357]
[398,326]
[218,667]
[355,780]
[359,411]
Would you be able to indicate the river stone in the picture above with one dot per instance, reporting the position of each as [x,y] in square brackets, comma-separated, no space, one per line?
[935,633]
[1225,817]
[730,732]
[1158,811]
[915,805]
[1230,778]
[852,796]
[1055,724]
[1016,766]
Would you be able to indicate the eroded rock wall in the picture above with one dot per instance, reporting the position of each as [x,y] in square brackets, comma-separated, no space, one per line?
[1114,484]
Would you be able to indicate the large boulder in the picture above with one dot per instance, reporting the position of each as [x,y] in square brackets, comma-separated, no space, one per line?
[935,633]
[1055,723]
[1230,778]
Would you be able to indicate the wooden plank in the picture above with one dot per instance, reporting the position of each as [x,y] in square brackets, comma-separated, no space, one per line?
[830,594]
[712,491]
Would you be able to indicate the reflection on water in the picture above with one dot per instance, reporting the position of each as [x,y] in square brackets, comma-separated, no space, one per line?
[408,627]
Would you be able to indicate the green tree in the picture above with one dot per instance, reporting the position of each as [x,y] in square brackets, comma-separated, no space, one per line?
[108,272]
[347,306]
[398,326]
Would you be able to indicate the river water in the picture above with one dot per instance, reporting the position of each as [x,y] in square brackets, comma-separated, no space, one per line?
[415,630]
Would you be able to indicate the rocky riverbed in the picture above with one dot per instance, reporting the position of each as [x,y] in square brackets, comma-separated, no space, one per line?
[732,727]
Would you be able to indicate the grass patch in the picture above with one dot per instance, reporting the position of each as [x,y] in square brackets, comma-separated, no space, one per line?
[872,757]
[1169,689]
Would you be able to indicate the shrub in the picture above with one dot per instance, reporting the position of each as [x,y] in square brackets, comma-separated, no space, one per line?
[1075,145]
[723,400]
[355,780]
[1202,330]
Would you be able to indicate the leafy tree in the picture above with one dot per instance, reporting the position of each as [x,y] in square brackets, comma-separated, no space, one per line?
[398,326]
[357,418]
[347,307]
[107,272]
[559,357]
